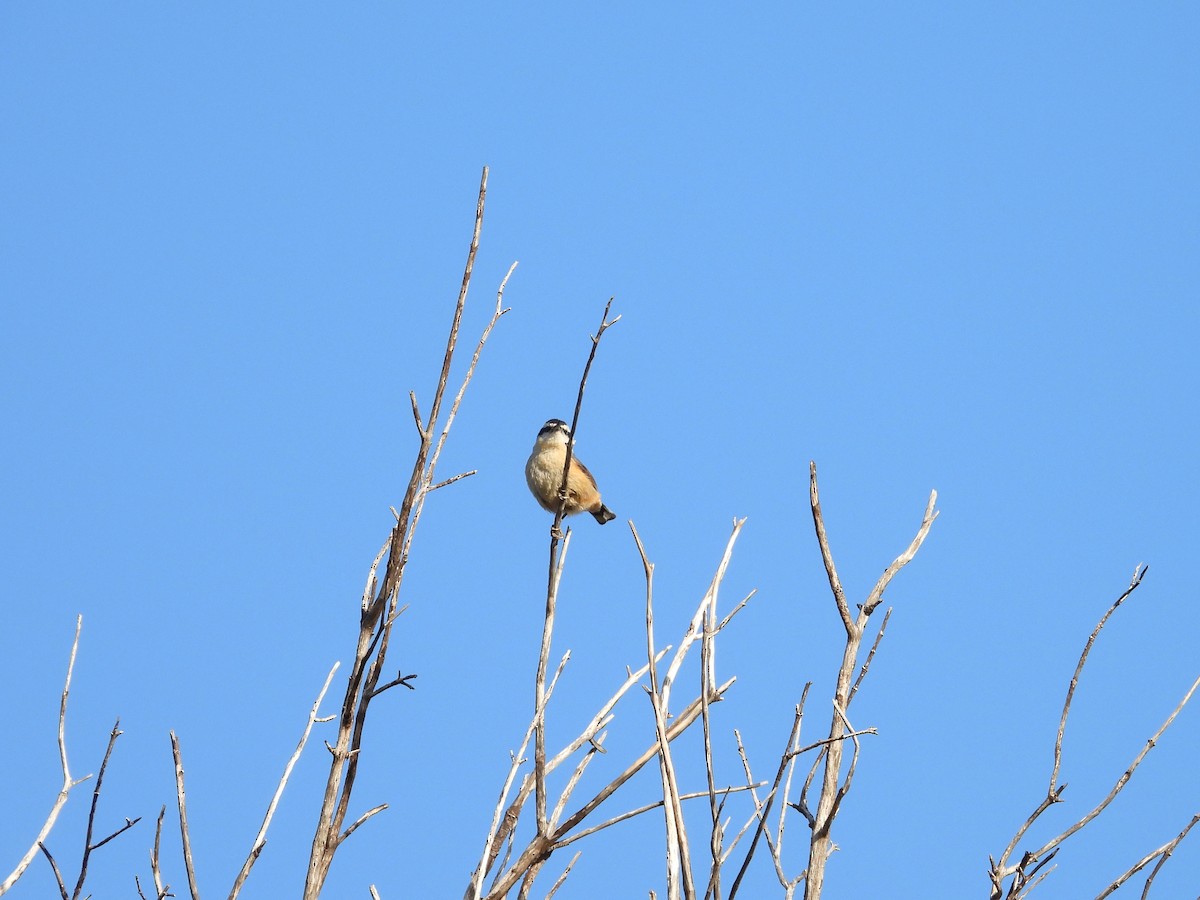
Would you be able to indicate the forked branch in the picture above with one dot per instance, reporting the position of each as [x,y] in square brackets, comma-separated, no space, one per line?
[835,786]
[380,607]
[67,783]
[1021,873]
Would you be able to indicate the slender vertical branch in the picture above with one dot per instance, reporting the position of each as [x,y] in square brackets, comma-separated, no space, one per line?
[88,846]
[185,834]
[554,574]
[67,783]
[558,560]
[1139,573]
[678,852]
[260,840]
[160,889]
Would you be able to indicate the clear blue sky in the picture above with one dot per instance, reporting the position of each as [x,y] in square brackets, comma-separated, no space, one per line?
[946,246]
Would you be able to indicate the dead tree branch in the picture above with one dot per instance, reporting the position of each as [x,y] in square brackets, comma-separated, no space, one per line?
[67,784]
[260,840]
[1000,870]
[379,607]
[88,846]
[185,834]
[834,786]
[1162,854]
[555,573]
[678,852]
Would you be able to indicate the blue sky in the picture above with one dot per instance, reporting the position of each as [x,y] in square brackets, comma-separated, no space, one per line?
[947,246]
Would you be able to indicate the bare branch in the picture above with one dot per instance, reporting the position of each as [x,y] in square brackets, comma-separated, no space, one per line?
[452,479]
[382,594]
[555,573]
[657,804]
[876,595]
[88,846]
[412,396]
[260,839]
[1163,853]
[398,681]
[1166,851]
[1139,573]
[833,788]
[161,890]
[185,835]
[557,560]
[766,807]
[862,673]
[361,819]
[62,888]
[502,829]
[835,583]
[678,851]
[61,800]
[737,609]
[563,876]
[1001,868]
[849,735]
[541,846]
[1125,776]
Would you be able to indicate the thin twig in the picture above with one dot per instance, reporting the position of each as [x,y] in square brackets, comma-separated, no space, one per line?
[862,673]
[1125,776]
[678,851]
[1163,853]
[88,846]
[62,888]
[1001,869]
[260,839]
[835,583]
[657,804]
[374,810]
[452,479]
[399,681]
[766,808]
[555,573]
[159,888]
[540,846]
[563,876]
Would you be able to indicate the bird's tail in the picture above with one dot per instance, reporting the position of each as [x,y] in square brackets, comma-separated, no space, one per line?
[604,514]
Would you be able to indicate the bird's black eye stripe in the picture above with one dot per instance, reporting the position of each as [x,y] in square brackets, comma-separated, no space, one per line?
[554,425]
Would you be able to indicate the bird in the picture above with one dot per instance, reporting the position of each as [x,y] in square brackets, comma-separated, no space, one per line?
[544,473]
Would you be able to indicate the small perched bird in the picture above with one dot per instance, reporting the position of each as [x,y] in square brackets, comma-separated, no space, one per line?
[544,472]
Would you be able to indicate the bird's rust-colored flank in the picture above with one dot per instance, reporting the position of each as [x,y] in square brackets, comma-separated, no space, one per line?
[543,474]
